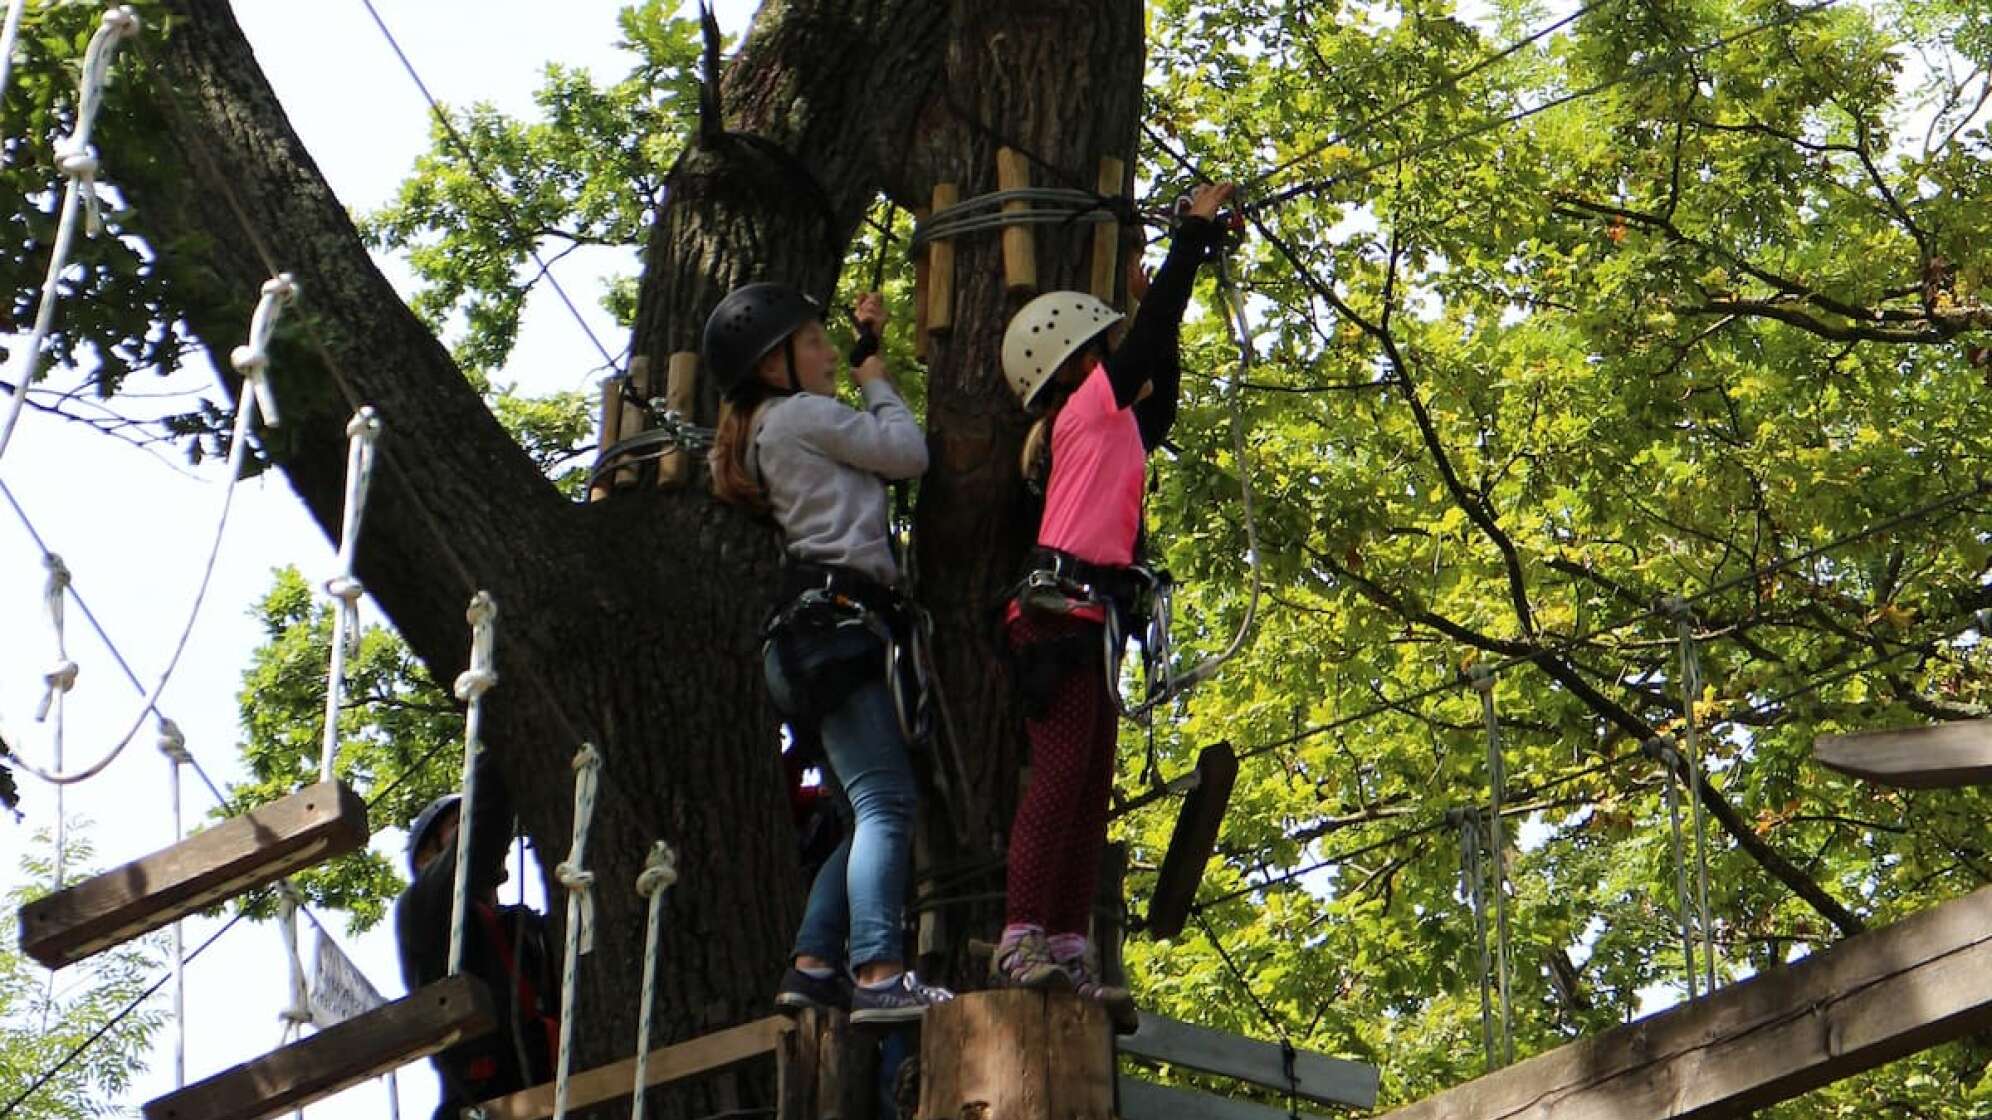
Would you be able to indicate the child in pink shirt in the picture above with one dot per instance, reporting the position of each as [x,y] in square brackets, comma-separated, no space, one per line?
[1101,414]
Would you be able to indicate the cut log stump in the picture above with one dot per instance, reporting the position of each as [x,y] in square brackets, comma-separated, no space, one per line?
[1016,1055]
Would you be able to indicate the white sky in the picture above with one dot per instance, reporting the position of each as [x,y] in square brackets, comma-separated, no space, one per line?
[135,532]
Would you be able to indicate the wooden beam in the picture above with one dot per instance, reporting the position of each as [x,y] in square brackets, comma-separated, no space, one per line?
[1106,235]
[359,1049]
[681,385]
[1320,1078]
[1193,842]
[941,266]
[1938,756]
[1013,173]
[239,854]
[1145,1100]
[1868,1000]
[635,416]
[670,1063]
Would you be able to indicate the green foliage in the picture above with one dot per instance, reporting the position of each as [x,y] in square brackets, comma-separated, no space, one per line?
[43,1019]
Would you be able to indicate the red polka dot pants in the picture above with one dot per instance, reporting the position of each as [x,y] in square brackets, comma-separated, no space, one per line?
[1061,825]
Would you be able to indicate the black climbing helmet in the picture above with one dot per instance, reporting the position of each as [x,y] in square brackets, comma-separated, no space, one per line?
[747,326]
[425,822]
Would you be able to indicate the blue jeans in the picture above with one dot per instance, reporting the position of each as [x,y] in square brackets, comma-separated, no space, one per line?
[860,894]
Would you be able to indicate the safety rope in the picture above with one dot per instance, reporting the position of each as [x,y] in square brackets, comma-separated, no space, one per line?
[252,361]
[9,35]
[173,745]
[362,433]
[1661,751]
[660,873]
[1287,1051]
[297,1016]
[1691,692]
[580,882]
[471,685]
[77,160]
[59,680]
[1497,849]
[1473,885]
[985,212]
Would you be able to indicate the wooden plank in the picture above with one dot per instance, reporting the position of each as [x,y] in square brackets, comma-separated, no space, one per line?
[680,395]
[941,267]
[1145,1100]
[1322,1079]
[239,854]
[1106,235]
[1193,842]
[359,1049]
[1013,173]
[1869,1000]
[1939,756]
[670,1063]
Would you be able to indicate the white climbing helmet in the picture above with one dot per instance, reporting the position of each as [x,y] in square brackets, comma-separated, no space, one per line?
[1050,329]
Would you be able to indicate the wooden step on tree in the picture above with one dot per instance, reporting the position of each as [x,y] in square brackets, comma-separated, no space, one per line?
[1016,1055]
[362,1048]
[238,855]
[1938,756]
[1317,1078]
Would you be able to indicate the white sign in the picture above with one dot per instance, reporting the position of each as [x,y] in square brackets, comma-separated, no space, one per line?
[339,991]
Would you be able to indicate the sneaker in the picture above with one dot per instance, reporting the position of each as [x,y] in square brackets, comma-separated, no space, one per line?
[1029,964]
[902,1001]
[799,991]
[1118,1001]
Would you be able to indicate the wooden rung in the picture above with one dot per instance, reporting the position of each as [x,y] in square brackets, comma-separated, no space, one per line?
[634,414]
[1319,1078]
[940,266]
[1939,756]
[671,1063]
[361,1048]
[680,388]
[611,430]
[1145,1100]
[1106,235]
[240,854]
[1013,173]
[1193,842]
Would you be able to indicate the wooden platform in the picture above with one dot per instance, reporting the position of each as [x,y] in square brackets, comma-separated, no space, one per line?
[240,854]
[670,1063]
[1937,756]
[1844,1010]
[1319,1078]
[359,1049]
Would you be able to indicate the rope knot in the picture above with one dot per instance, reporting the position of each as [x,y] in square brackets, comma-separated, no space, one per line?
[346,589]
[480,678]
[365,423]
[122,21]
[472,684]
[1481,677]
[252,359]
[60,679]
[59,578]
[173,742]
[660,870]
[78,162]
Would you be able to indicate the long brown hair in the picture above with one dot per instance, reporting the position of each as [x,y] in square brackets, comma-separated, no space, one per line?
[732,482]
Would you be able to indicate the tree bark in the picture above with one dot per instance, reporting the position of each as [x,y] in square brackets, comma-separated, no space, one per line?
[633,623]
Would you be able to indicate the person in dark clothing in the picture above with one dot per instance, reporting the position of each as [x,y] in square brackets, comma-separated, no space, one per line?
[508,948]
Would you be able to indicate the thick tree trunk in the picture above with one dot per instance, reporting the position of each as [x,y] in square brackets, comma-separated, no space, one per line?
[632,623]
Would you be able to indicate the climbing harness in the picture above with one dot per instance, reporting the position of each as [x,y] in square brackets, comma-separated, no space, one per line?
[822,598]
[1691,690]
[1497,848]
[251,360]
[471,685]
[573,874]
[660,873]
[78,160]
[362,433]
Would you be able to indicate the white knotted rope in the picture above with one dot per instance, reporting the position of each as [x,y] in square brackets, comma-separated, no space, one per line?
[77,160]
[173,745]
[276,294]
[1497,778]
[9,36]
[59,680]
[660,872]
[362,433]
[471,685]
[297,1016]
[580,882]
[1691,690]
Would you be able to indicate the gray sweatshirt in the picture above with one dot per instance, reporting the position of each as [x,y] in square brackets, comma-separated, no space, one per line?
[822,463]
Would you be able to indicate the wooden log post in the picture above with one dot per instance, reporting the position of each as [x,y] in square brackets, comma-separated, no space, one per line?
[1193,842]
[1939,756]
[1106,235]
[1866,1001]
[940,267]
[1016,1055]
[612,414]
[1013,173]
[634,415]
[240,854]
[680,394]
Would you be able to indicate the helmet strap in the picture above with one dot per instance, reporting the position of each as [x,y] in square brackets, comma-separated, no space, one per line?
[788,355]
